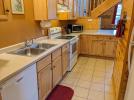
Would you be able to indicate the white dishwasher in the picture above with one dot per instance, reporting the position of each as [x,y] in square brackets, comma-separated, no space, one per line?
[21,87]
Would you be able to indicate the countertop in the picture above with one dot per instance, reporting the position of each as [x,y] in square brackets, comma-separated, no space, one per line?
[95,32]
[11,64]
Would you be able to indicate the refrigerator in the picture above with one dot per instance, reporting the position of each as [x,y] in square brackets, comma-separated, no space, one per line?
[129,95]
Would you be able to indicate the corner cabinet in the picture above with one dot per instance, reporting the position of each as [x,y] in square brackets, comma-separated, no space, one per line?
[45,9]
[103,46]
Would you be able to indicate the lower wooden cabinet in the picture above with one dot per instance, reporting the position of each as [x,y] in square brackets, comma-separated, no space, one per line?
[84,44]
[65,58]
[57,70]
[97,47]
[110,48]
[45,82]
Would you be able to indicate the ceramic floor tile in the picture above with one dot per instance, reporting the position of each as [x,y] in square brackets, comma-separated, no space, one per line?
[109,89]
[84,84]
[109,96]
[90,79]
[81,92]
[108,75]
[73,75]
[68,85]
[87,72]
[86,78]
[78,98]
[100,80]
[102,69]
[97,87]
[99,73]
[108,81]
[96,95]
[70,81]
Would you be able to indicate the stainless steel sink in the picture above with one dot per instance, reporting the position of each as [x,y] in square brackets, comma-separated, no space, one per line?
[33,50]
[43,46]
[28,51]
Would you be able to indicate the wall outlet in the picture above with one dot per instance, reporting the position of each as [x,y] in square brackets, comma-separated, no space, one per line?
[90,20]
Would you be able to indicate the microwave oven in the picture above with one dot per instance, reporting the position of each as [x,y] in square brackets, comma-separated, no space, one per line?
[73,28]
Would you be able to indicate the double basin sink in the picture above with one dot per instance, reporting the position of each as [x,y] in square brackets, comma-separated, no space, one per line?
[33,50]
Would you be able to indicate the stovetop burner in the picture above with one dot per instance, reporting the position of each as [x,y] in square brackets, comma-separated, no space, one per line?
[65,37]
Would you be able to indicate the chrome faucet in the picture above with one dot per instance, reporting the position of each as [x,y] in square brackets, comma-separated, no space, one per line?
[28,43]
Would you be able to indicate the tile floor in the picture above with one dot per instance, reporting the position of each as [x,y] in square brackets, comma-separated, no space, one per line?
[91,79]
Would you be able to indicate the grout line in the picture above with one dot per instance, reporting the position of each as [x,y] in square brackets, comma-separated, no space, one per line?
[92,78]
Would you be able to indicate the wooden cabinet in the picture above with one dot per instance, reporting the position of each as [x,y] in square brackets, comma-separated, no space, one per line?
[63,15]
[110,48]
[65,58]
[44,69]
[97,47]
[45,82]
[71,13]
[45,9]
[57,67]
[84,44]
[57,71]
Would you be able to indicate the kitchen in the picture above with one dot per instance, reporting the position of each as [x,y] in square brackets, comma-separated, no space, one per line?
[42,57]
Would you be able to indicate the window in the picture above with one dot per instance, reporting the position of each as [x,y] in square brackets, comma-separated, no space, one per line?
[118,13]
[83,8]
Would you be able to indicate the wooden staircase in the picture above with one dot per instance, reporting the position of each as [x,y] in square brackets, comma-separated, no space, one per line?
[98,7]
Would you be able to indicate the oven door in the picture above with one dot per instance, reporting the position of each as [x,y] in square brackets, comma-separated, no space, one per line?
[73,48]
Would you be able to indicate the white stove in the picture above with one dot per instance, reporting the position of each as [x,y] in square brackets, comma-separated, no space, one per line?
[55,33]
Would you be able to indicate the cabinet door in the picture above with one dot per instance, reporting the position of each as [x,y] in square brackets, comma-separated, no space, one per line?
[57,71]
[45,82]
[65,61]
[97,47]
[109,48]
[52,9]
[84,44]
[40,9]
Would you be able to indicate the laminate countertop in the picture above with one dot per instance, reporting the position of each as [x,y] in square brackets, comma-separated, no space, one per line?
[95,32]
[11,64]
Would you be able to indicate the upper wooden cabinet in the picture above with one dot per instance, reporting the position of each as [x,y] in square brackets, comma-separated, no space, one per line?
[70,13]
[45,9]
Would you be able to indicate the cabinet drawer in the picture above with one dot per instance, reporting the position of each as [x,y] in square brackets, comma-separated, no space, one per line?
[43,62]
[65,47]
[56,53]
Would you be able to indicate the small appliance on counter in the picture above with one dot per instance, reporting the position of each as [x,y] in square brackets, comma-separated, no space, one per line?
[73,28]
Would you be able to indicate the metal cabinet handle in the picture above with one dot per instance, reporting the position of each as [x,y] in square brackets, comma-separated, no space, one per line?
[19,79]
